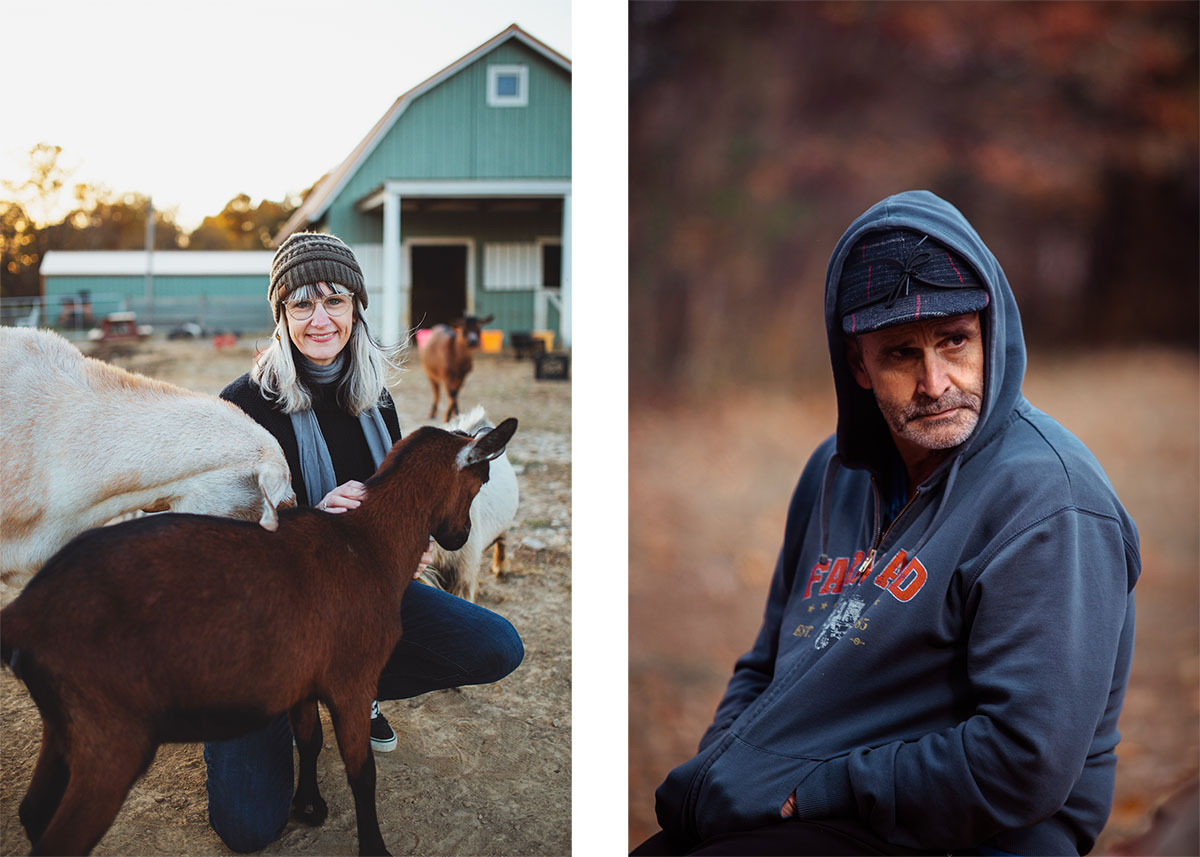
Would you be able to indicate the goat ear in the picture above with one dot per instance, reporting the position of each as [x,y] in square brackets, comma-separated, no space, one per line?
[270,519]
[275,485]
[487,320]
[488,446]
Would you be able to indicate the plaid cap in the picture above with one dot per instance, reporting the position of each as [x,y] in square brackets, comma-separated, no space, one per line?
[900,276]
[306,258]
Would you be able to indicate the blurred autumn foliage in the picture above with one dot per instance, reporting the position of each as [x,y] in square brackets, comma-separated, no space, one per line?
[32,221]
[1066,132]
[242,225]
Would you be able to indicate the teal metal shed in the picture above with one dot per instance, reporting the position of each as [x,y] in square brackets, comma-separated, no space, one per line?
[215,288]
[458,201]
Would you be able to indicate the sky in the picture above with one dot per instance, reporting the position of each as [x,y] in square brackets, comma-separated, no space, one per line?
[194,103]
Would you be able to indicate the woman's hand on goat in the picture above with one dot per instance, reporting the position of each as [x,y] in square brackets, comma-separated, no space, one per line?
[426,558]
[347,496]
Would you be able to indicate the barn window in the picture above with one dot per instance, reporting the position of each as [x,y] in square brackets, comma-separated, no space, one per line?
[511,266]
[508,86]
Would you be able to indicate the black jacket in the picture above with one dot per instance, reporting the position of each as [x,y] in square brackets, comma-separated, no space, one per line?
[343,434]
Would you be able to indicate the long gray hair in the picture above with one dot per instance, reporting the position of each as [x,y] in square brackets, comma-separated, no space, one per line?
[372,366]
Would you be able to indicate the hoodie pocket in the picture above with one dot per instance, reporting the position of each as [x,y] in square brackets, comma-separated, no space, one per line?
[746,787]
[674,800]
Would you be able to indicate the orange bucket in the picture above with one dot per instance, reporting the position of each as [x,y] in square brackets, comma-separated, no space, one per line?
[491,341]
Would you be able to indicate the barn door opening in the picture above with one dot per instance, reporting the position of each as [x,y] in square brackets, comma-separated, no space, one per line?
[439,283]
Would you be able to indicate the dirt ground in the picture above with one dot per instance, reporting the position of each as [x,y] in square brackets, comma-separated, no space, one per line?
[719,475]
[478,770]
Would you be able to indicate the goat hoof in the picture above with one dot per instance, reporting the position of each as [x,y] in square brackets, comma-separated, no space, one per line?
[311,812]
[35,818]
[377,849]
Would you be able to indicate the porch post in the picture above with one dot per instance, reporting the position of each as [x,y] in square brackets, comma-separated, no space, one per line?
[564,316]
[391,269]
[539,307]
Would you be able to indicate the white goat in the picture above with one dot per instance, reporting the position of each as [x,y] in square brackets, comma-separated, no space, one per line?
[85,442]
[492,511]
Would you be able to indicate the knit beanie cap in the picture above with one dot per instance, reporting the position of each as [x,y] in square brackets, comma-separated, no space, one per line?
[306,258]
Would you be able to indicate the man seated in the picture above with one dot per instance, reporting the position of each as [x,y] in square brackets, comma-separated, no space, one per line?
[949,628]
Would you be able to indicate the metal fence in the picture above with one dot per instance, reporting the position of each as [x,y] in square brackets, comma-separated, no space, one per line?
[67,313]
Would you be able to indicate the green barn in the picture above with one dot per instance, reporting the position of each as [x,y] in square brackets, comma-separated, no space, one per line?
[458,201]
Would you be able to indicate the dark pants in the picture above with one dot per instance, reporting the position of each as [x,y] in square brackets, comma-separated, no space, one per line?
[828,837]
[447,642]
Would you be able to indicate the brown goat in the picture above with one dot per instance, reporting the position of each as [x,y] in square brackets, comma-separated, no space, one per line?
[189,628]
[446,358]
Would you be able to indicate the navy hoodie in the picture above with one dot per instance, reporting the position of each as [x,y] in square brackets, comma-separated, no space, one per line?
[964,691]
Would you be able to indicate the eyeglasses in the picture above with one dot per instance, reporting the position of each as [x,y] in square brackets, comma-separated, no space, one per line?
[335,305]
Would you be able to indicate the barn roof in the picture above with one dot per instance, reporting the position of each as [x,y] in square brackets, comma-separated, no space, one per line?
[317,202]
[115,263]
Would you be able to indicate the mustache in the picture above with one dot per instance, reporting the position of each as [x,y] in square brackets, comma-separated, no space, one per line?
[950,399]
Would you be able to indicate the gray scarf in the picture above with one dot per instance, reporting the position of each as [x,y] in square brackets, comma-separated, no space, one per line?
[316,467]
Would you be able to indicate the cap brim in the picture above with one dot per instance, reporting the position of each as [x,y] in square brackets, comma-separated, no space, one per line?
[909,308]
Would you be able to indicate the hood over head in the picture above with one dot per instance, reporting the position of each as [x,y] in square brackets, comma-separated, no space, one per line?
[863,439]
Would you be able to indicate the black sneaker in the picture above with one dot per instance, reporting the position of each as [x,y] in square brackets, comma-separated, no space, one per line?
[383,739]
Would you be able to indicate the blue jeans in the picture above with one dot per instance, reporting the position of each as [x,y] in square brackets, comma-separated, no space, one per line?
[447,642]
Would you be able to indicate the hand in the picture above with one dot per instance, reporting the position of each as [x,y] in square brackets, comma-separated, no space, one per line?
[426,558]
[789,806]
[347,496]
